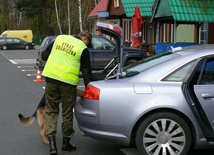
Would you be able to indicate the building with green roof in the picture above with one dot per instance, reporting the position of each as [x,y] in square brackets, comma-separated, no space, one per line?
[164,20]
[191,20]
[145,7]
[184,11]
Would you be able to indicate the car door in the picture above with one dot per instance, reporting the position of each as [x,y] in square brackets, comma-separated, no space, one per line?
[204,90]
[9,42]
[102,52]
[2,41]
[17,43]
[13,43]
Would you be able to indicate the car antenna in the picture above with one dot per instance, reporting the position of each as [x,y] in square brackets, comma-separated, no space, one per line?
[175,49]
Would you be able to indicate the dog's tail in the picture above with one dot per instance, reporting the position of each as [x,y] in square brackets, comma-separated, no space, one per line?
[30,120]
[27,120]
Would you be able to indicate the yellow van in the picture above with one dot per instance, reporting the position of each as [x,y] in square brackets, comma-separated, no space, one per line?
[26,35]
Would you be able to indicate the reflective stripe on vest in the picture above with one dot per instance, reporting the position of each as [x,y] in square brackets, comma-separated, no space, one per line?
[64,60]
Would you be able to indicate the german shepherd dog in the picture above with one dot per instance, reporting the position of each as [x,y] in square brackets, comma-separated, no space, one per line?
[40,115]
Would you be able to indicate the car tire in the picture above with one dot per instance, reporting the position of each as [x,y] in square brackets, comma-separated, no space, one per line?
[130,62]
[163,133]
[4,47]
[27,47]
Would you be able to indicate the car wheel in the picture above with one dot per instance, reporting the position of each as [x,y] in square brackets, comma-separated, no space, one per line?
[4,47]
[163,133]
[130,62]
[27,47]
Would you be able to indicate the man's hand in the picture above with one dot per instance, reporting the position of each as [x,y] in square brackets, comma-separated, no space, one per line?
[80,93]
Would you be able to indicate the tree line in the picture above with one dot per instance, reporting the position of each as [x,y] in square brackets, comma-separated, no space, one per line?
[46,17]
[50,17]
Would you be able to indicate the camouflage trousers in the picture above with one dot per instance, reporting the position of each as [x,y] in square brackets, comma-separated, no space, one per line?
[54,95]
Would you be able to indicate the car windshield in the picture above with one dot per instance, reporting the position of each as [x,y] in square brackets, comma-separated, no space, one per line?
[142,65]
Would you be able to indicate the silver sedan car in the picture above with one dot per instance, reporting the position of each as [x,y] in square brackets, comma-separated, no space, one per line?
[164,104]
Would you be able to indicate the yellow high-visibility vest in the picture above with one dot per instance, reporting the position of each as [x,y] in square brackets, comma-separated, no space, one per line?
[63,63]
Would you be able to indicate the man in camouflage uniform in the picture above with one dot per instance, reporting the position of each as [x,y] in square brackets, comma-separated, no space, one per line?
[66,56]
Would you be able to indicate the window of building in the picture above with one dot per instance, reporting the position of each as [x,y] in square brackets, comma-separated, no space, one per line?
[172,33]
[203,33]
[127,30]
[116,3]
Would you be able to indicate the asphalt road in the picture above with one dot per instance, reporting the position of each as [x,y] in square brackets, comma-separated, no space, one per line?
[20,94]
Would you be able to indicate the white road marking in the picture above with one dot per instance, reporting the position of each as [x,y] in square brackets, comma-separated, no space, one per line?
[25,66]
[12,61]
[30,70]
[22,61]
[4,55]
[31,74]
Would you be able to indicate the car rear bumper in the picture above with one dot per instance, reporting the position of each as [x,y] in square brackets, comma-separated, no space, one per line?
[89,124]
[84,116]
[105,136]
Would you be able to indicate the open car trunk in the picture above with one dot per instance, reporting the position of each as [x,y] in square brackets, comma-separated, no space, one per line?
[114,68]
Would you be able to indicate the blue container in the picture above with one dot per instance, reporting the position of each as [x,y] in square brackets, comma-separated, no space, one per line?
[164,47]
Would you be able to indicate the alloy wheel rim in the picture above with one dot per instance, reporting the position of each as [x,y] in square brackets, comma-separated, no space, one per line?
[164,137]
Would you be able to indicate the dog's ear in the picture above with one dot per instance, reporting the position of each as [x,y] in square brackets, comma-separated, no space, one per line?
[80,93]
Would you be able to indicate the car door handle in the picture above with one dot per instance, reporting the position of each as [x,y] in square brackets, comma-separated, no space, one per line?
[207,95]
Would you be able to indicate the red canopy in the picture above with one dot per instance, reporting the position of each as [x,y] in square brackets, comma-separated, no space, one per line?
[137,22]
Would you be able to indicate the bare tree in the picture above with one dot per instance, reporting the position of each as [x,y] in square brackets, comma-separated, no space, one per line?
[57,17]
[80,15]
[20,18]
[69,19]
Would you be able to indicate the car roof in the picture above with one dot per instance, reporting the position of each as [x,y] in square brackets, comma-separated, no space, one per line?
[176,59]
[197,50]
[46,41]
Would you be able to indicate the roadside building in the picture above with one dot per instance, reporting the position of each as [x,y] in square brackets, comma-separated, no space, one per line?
[164,21]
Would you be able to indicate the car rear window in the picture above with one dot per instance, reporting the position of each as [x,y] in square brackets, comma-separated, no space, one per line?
[102,44]
[44,41]
[150,62]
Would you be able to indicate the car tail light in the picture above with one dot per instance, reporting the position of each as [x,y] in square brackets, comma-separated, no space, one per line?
[148,54]
[91,92]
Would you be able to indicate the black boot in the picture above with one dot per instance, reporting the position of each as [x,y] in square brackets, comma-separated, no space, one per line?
[52,144]
[66,145]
